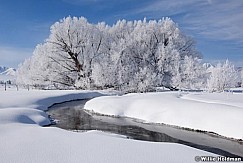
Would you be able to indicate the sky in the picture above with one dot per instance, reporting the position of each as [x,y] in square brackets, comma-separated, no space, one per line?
[216,25]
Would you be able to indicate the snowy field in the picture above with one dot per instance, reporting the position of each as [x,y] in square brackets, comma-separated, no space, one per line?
[4,77]
[23,140]
[220,113]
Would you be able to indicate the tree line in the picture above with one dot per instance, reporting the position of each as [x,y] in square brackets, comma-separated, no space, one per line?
[131,56]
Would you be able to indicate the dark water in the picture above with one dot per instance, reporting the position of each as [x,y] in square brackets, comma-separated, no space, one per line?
[71,116]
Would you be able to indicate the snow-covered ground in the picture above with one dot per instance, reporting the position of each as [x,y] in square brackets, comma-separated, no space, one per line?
[41,99]
[221,113]
[22,139]
[4,77]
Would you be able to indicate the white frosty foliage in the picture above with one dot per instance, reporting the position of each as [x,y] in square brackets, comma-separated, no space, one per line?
[241,78]
[133,56]
[222,76]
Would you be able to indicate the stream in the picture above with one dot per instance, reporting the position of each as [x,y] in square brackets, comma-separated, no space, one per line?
[72,116]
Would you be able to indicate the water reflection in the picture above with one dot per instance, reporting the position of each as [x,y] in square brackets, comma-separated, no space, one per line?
[71,116]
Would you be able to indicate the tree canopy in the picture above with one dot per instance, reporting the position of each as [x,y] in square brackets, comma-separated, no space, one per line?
[132,56]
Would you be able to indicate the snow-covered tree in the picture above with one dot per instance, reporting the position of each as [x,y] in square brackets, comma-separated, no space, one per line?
[154,46]
[130,55]
[222,76]
[74,45]
[35,71]
[241,76]
[189,74]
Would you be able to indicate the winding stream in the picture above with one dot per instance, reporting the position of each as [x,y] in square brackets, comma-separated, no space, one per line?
[71,116]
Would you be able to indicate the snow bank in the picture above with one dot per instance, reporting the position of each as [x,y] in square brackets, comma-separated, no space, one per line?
[41,99]
[35,144]
[23,116]
[22,139]
[226,98]
[21,106]
[174,108]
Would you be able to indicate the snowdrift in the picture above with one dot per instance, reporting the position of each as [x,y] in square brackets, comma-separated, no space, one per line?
[174,108]
[22,139]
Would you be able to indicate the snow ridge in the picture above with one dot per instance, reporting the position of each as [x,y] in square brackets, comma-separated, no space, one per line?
[8,71]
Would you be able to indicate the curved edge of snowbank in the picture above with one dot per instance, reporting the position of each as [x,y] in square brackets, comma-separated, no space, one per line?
[23,116]
[27,106]
[169,108]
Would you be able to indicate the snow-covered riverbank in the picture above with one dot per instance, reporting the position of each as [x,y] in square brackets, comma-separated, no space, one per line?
[216,112]
[22,139]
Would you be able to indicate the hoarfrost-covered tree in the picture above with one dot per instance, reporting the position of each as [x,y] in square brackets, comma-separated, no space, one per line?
[241,76]
[36,70]
[222,76]
[23,73]
[130,56]
[154,46]
[189,74]
[75,45]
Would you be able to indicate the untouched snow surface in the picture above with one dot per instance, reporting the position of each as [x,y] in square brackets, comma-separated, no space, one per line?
[29,143]
[41,99]
[23,115]
[219,113]
[23,140]
[4,78]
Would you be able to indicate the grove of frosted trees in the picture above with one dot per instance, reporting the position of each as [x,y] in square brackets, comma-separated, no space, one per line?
[132,56]
[222,76]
